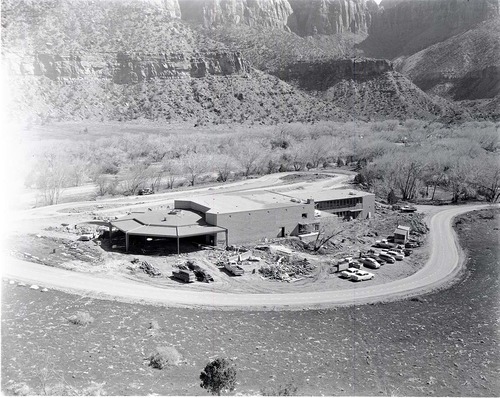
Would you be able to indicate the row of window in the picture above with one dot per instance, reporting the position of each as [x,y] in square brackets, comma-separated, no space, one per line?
[331,204]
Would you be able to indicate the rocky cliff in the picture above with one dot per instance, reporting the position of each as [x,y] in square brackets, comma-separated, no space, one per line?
[404,27]
[331,16]
[125,68]
[321,75]
[217,13]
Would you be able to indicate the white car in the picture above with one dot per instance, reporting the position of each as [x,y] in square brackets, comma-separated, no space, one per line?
[348,273]
[362,276]
[396,255]
[369,262]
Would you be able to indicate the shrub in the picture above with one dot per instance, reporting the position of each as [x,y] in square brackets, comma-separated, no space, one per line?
[164,357]
[81,318]
[218,376]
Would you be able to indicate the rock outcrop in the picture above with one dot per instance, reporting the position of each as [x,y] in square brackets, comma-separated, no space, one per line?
[331,16]
[321,75]
[219,13]
[404,27]
[125,68]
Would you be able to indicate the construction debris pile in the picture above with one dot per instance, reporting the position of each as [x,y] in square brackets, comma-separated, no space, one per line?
[201,274]
[147,268]
[52,251]
[287,268]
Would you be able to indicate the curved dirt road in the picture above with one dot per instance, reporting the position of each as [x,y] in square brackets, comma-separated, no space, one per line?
[443,265]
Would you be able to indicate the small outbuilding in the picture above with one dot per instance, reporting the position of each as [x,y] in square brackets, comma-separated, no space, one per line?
[401,234]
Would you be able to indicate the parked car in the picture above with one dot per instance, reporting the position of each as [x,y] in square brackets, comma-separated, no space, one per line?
[411,245]
[354,264]
[362,276]
[369,262]
[408,209]
[348,273]
[397,255]
[407,252]
[387,257]
[383,244]
[146,191]
[379,259]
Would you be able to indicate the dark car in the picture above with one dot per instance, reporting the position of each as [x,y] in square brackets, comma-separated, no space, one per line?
[146,191]
[407,252]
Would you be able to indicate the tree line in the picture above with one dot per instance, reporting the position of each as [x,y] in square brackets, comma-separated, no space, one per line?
[410,159]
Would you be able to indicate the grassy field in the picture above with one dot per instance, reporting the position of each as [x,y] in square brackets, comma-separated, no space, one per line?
[442,344]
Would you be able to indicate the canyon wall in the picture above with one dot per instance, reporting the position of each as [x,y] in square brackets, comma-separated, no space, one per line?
[217,13]
[124,68]
[331,16]
[321,75]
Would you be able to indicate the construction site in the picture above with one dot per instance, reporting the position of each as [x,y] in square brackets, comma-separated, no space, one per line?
[254,241]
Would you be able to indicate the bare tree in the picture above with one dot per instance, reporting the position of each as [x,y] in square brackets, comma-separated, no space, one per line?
[194,164]
[330,228]
[172,169]
[249,156]
[225,165]
[51,177]
[134,177]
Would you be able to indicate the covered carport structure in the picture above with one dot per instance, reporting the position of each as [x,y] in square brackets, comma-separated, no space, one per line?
[174,224]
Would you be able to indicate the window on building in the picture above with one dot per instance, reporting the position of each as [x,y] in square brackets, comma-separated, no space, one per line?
[304,215]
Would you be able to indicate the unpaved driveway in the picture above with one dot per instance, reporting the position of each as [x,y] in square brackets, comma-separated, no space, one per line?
[444,263]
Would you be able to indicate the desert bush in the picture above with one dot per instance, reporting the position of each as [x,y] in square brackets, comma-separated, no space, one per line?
[218,376]
[81,318]
[164,357]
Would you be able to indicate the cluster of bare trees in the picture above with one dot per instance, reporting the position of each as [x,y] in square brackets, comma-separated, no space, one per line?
[408,158]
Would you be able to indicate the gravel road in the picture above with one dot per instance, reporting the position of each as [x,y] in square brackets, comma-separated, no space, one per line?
[444,263]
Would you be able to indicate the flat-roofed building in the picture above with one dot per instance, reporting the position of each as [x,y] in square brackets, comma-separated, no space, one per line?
[345,203]
[401,234]
[253,216]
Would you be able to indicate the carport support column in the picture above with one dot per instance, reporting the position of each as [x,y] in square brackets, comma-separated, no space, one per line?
[178,243]
[226,239]
[126,241]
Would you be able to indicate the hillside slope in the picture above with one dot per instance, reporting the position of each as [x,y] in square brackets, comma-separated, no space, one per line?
[466,66]
[404,27]
[130,59]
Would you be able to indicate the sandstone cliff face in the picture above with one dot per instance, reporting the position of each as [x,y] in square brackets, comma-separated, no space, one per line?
[331,16]
[404,27]
[321,75]
[127,68]
[218,13]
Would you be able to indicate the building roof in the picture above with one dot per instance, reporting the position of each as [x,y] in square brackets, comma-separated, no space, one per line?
[244,201]
[404,227]
[399,231]
[325,194]
[181,223]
